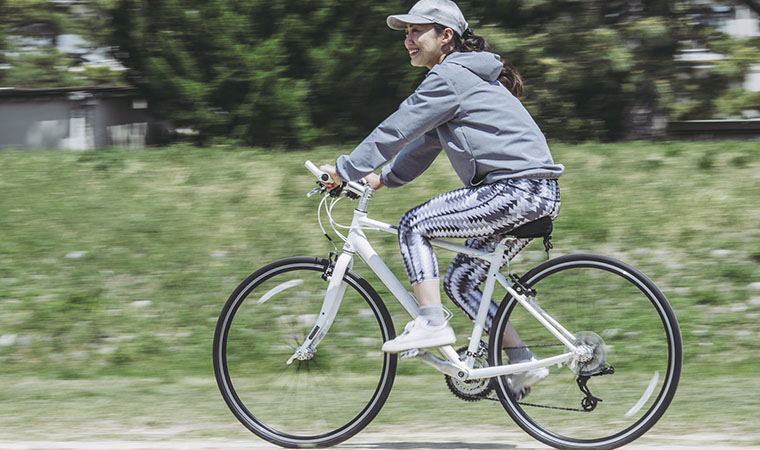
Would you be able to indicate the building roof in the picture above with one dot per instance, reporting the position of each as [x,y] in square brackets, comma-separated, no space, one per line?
[98,91]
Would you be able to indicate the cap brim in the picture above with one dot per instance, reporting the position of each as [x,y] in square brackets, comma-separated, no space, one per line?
[400,21]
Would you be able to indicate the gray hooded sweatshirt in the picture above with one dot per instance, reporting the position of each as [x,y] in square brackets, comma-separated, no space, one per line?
[460,107]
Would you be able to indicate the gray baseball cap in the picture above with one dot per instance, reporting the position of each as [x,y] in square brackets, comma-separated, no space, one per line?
[444,12]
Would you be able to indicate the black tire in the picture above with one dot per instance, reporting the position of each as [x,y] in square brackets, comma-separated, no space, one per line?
[632,322]
[312,403]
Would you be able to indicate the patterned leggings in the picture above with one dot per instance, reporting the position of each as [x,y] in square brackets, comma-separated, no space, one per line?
[482,215]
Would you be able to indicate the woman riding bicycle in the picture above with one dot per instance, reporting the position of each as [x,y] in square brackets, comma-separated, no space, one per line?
[467,106]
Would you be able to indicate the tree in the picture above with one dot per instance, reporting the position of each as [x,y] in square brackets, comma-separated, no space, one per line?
[268,73]
[3,37]
[754,4]
[44,66]
[599,69]
[293,72]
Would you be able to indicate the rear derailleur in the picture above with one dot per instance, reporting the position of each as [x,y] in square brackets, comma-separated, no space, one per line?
[589,402]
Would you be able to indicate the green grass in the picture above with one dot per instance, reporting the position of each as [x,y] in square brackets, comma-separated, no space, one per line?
[117,263]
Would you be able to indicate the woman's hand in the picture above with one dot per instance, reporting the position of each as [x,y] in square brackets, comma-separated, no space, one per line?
[336,179]
[373,180]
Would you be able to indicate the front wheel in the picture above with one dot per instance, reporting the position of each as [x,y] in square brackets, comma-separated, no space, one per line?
[320,400]
[615,394]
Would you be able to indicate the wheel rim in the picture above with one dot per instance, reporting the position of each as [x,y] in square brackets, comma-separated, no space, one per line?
[641,341]
[320,400]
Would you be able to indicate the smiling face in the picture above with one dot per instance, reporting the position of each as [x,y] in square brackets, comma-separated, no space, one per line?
[427,47]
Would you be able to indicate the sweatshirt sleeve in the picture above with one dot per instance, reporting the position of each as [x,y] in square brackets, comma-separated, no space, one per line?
[433,103]
[414,159]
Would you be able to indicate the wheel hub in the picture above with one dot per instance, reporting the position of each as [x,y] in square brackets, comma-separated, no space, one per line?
[302,354]
[589,354]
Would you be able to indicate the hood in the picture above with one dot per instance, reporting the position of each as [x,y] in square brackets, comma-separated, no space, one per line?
[483,64]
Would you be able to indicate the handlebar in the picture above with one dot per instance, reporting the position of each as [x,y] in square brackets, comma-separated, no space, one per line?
[356,187]
[323,177]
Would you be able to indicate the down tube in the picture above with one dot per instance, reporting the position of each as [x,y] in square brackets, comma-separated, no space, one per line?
[370,256]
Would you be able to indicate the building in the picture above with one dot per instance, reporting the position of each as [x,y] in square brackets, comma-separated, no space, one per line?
[735,20]
[739,21]
[75,118]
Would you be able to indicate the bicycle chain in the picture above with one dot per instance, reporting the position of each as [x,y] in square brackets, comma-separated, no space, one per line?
[536,405]
[533,346]
[552,407]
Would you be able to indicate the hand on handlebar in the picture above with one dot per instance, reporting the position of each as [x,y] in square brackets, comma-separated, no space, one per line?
[335,179]
[373,180]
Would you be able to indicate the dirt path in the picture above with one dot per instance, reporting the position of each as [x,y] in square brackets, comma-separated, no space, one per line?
[392,438]
[188,414]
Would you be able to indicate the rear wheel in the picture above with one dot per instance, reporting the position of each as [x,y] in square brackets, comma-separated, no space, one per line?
[620,390]
[328,396]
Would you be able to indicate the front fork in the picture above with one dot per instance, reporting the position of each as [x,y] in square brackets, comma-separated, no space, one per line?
[336,288]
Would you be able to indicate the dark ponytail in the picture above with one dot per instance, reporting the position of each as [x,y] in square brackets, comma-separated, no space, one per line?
[471,42]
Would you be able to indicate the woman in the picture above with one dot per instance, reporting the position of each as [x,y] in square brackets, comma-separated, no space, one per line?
[467,106]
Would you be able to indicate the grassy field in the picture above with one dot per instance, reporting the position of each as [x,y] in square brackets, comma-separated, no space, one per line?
[114,264]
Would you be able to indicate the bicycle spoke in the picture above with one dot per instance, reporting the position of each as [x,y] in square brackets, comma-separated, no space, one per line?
[625,384]
[322,396]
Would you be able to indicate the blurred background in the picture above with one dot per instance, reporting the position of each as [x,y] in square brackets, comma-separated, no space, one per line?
[295,73]
[151,156]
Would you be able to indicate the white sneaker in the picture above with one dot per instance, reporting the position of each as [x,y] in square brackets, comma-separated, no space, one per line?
[520,383]
[420,334]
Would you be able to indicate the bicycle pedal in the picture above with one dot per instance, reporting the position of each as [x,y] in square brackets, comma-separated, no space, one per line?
[411,353]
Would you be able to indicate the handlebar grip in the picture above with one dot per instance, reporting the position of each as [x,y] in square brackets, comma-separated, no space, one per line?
[322,176]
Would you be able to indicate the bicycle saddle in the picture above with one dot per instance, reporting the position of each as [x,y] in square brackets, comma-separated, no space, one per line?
[538,228]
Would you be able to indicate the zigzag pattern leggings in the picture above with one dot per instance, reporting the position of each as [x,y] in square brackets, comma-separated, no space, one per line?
[482,215]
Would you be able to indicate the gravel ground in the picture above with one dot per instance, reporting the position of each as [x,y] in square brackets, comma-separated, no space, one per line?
[394,438]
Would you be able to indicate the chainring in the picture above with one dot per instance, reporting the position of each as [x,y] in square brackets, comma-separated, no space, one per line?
[472,390]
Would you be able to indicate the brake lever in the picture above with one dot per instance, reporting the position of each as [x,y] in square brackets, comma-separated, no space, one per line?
[320,189]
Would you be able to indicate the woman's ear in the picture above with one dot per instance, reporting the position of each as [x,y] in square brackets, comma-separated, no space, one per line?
[447,36]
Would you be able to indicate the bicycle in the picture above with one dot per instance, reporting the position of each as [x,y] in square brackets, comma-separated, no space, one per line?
[297,345]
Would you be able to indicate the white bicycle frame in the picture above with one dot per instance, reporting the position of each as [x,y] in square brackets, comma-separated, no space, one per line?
[356,242]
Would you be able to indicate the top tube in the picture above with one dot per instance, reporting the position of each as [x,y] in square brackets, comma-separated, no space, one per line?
[365,192]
